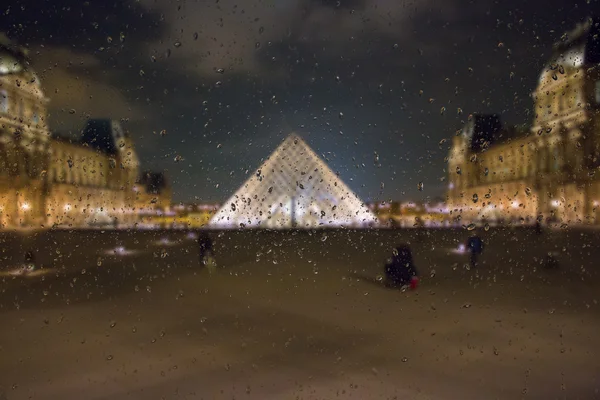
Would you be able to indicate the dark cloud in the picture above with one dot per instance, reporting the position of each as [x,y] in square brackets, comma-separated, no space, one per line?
[83,24]
[354,83]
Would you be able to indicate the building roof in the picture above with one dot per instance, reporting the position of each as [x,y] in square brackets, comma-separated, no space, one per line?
[102,135]
[154,182]
[486,130]
[13,59]
[581,46]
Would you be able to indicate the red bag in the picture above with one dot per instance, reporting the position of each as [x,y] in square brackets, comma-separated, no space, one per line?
[414,282]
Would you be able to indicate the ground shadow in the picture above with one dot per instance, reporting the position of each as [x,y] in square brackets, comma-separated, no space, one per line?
[375,281]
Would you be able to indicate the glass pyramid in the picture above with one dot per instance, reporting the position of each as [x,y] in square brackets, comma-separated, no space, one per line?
[293,188]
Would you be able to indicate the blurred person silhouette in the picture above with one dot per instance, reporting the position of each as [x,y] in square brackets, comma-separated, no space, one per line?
[538,227]
[30,260]
[205,247]
[400,270]
[475,246]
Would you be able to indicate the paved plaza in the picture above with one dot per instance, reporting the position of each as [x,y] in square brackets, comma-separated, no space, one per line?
[299,315]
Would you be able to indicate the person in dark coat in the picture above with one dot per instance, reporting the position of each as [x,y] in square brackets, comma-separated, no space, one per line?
[400,269]
[475,246]
[204,246]
[538,227]
[30,261]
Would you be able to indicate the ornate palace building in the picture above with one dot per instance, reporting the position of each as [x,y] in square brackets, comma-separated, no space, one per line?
[48,181]
[550,170]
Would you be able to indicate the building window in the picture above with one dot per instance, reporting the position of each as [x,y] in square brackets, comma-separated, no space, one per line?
[597,92]
[3,101]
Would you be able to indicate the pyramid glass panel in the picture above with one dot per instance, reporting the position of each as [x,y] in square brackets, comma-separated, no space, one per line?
[293,188]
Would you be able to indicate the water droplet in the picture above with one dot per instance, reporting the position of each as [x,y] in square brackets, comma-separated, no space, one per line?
[220,70]
[109,39]
[475,197]
[177,44]
[257,45]
[486,227]
[420,186]
[109,357]
[72,111]
[195,35]
[404,359]
[471,227]
[113,324]
[99,261]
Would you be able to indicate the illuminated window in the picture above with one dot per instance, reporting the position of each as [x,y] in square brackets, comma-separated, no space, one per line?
[597,92]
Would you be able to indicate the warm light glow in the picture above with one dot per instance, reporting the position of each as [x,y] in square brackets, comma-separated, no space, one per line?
[25,206]
[555,203]
[514,204]
[596,203]
[67,207]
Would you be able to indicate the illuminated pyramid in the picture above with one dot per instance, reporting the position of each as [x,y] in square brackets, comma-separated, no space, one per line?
[293,188]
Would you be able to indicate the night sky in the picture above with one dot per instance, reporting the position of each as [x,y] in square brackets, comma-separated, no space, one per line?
[227,81]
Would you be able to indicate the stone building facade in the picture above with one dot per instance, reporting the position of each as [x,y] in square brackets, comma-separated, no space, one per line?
[548,171]
[48,181]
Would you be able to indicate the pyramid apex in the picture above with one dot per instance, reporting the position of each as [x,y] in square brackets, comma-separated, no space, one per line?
[293,136]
